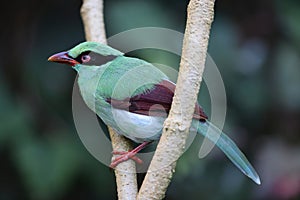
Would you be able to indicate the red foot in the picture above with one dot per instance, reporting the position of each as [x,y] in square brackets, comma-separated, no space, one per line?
[126,155]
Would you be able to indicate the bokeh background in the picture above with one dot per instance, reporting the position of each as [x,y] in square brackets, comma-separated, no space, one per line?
[255,45]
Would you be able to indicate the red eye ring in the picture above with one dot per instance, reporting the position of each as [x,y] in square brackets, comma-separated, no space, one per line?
[85,58]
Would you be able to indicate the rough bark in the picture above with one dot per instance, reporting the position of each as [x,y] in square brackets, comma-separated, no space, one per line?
[93,20]
[125,172]
[176,127]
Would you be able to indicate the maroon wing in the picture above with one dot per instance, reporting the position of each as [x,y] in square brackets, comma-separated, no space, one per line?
[156,102]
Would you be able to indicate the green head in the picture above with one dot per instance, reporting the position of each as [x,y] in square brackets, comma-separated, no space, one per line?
[86,53]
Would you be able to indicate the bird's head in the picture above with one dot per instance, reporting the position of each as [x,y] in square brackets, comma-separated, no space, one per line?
[86,53]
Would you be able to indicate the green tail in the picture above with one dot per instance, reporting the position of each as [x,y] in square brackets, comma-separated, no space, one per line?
[229,148]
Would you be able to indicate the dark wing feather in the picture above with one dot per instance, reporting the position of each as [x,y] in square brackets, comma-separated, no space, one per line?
[155,102]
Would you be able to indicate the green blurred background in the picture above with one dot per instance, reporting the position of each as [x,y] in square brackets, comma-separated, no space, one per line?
[255,45]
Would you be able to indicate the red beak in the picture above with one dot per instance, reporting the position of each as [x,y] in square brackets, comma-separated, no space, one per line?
[64,58]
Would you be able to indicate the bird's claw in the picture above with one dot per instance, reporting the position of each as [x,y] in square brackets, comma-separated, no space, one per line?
[124,156]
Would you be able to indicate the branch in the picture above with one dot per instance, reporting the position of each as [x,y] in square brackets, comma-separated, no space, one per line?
[92,16]
[125,172]
[176,127]
[93,20]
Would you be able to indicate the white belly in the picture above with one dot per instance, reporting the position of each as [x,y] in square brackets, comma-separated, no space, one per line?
[137,127]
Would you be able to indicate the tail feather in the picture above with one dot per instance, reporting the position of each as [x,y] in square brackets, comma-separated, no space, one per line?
[230,149]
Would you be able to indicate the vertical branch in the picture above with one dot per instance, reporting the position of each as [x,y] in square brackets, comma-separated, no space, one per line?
[125,172]
[93,20]
[176,127]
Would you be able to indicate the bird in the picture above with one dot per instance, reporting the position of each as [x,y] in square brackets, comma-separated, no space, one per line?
[134,97]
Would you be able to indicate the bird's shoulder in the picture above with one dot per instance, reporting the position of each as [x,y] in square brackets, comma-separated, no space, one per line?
[126,76]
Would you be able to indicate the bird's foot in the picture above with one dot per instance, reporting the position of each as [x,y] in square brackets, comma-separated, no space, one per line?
[126,155]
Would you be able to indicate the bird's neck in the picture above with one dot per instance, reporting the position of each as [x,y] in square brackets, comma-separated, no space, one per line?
[88,80]
[86,72]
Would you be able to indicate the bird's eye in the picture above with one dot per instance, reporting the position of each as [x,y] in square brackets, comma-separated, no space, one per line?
[85,58]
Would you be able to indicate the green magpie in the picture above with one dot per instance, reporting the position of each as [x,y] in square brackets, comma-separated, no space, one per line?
[134,98]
